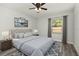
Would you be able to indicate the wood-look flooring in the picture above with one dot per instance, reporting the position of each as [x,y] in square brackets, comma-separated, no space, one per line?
[68,50]
[65,49]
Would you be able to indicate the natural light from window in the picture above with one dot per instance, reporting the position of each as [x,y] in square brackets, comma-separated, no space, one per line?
[57,24]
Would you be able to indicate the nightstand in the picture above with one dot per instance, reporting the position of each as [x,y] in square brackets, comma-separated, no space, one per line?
[5,44]
[35,34]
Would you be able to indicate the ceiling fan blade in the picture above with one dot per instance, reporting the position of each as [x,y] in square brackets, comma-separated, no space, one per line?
[42,4]
[34,4]
[31,8]
[44,8]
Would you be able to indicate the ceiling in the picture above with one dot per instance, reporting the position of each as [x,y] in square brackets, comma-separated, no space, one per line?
[52,8]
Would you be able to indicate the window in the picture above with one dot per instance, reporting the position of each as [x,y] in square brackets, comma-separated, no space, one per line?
[57,24]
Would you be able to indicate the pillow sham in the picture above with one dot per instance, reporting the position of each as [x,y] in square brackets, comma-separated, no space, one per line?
[27,34]
[19,35]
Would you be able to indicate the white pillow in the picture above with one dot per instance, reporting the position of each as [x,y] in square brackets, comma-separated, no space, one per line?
[27,34]
[19,35]
[16,35]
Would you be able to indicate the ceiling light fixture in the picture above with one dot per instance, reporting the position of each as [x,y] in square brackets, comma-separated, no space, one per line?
[38,10]
[38,7]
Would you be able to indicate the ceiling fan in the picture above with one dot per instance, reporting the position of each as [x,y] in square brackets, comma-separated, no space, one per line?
[38,7]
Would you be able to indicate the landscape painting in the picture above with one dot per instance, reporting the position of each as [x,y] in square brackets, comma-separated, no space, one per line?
[20,22]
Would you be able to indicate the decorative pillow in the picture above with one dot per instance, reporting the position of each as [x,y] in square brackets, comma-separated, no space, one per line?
[19,35]
[16,35]
[27,34]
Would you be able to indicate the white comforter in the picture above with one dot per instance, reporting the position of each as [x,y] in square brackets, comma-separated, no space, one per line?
[34,45]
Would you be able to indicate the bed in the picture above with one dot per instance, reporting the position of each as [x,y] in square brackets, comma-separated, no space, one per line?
[33,45]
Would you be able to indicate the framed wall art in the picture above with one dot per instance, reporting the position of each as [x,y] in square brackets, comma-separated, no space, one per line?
[20,22]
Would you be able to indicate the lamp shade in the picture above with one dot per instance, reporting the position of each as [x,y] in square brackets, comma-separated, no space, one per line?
[35,31]
[38,10]
[5,33]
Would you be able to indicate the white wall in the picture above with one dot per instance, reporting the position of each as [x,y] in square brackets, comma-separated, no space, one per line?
[42,24]
[76,27]
[7,19]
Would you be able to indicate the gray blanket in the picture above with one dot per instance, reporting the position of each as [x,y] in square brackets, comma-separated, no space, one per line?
[33,45]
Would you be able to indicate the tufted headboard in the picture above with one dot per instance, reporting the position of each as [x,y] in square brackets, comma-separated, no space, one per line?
[13,31]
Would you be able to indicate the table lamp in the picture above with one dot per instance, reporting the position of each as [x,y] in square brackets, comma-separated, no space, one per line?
[5,35]
[35,31]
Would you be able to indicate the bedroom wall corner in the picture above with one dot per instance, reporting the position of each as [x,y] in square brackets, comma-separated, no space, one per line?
[76,27]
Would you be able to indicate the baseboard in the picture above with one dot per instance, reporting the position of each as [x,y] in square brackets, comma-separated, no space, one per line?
[76,50]
[70,42]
